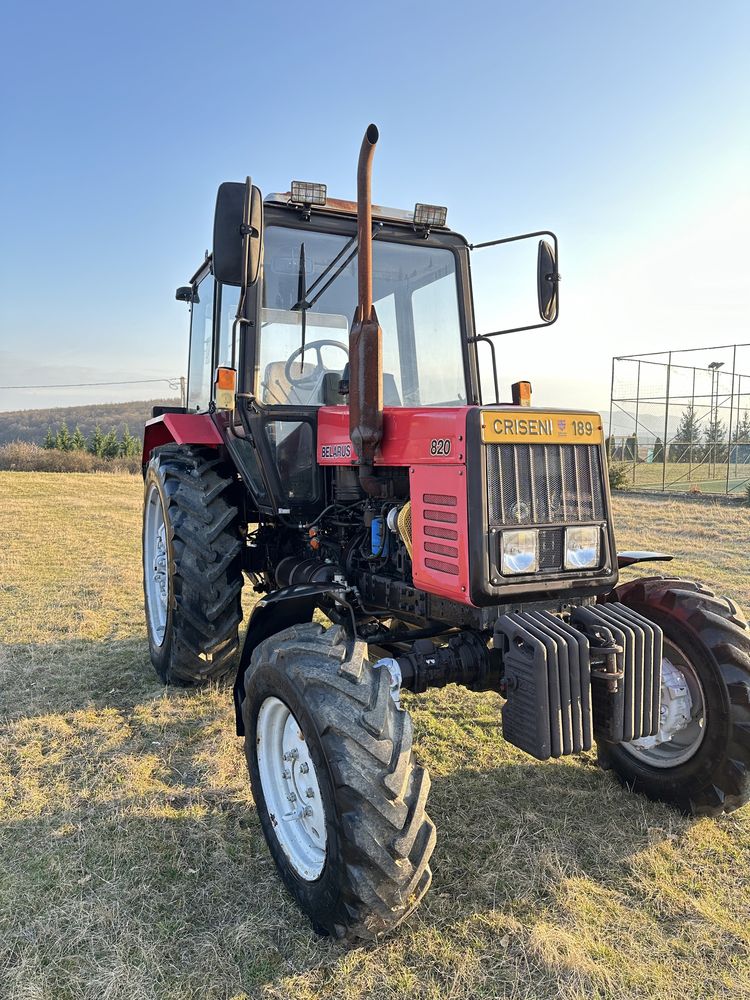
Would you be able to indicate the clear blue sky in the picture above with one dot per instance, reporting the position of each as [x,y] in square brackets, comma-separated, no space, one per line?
[624,127]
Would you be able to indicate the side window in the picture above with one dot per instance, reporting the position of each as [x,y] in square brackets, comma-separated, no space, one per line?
[230,296]
[201,345]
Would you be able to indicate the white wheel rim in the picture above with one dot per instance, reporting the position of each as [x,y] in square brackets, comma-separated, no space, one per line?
[291,789]
[155,566]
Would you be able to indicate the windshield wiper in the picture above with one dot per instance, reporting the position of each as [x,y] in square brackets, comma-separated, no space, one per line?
[302,302]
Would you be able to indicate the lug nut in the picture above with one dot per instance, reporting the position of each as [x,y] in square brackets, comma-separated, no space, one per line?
[310,793]
[304,768]
[291,755]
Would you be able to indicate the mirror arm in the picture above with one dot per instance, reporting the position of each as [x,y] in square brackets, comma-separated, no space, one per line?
[515,329]
[555,277]
[513,239]
[485,337]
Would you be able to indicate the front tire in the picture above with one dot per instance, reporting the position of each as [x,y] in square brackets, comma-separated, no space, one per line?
[192,569]
[704,770]
[357,862]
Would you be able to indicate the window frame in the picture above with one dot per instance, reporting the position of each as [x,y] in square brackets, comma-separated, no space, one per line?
[204,273]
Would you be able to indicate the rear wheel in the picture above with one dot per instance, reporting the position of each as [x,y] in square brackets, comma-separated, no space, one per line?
[700,759]
[340,796]
[192,571]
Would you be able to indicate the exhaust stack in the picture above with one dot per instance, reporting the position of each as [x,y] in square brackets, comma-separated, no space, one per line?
[365,336]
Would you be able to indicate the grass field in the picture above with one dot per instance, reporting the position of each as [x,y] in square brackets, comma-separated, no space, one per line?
[132,863]
[681,477]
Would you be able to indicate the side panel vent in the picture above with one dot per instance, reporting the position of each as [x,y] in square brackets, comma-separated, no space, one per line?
[439,507]
[440,556]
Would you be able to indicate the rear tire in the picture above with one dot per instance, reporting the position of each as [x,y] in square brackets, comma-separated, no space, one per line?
[377,837]
[192,565]
[710,634]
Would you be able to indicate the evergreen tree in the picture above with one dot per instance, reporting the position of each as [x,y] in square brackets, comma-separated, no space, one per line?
[129,445]
[714,440]
[686,438]
[630,452]
[49,439]
[78,441]
[659,451]
[741,440]
[96,442]
[110,445]
[742,433]
[63,439]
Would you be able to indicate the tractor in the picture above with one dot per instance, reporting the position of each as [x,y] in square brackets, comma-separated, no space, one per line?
[336,454]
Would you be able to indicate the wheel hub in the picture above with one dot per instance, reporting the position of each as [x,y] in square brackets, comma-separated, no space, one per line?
[290,787]
[681,718]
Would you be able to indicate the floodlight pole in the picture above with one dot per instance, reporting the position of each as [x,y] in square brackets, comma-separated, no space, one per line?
[666,426]
[731,414]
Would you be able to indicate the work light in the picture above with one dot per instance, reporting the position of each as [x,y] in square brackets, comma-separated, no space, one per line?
[306,193]
[429,215]
[519,552]
[582,547]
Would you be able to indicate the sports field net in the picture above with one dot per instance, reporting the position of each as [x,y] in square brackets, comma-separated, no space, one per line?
[680,420]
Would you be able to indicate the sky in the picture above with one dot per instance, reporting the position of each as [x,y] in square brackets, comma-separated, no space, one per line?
[624,128]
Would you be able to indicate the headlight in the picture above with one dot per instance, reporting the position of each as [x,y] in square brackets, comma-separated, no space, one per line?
[519,552]
[582,547]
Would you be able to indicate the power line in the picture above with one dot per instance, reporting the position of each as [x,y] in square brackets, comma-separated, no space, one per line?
[173,383]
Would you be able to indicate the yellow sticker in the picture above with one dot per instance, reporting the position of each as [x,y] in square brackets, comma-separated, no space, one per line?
[540,427]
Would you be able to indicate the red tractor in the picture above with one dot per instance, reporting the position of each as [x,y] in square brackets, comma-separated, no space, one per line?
[403,533]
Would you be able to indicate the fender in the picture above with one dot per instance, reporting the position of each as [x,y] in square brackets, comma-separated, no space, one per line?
[179,428]
[273,613]
[631,558]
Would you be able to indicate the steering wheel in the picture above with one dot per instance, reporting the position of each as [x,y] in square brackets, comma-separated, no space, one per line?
[314,345]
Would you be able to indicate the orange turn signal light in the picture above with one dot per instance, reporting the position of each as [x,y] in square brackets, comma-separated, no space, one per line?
[226,378]
[521,393]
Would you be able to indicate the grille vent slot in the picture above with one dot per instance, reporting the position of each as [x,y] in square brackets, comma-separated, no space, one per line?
[438,508]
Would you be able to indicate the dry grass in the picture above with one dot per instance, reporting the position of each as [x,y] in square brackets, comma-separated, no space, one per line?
[132,864]
[24,456]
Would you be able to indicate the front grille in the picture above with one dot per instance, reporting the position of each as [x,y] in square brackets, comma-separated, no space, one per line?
[544,484]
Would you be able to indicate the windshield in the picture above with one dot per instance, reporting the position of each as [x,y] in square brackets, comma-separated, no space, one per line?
[415,296]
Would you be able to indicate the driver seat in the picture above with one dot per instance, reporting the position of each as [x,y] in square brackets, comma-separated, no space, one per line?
[277,389]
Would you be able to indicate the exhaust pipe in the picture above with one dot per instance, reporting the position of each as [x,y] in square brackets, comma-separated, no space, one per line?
[365,336]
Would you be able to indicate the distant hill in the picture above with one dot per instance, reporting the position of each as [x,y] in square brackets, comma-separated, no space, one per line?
[31,425]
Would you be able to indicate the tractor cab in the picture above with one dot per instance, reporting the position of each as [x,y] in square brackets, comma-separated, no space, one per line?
[282,339]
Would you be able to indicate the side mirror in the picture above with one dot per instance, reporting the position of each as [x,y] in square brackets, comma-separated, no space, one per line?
[547,279]
[185,294]
[238,233]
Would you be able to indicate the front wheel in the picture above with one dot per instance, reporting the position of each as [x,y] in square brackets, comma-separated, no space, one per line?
[340,796]
[192,565]
[700,759]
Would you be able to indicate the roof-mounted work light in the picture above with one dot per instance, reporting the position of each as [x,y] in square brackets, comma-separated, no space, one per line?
[430,215]
[305,193]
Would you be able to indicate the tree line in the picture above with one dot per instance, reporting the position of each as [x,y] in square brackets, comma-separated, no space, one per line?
[109,445]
